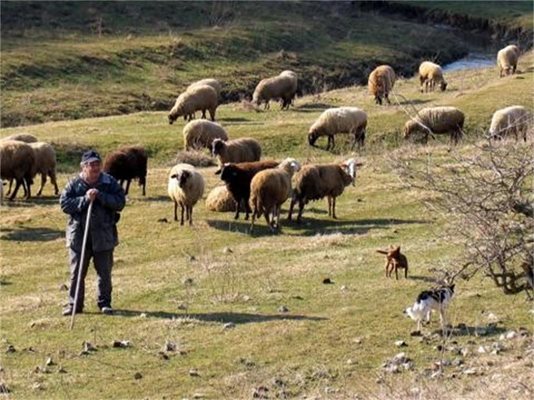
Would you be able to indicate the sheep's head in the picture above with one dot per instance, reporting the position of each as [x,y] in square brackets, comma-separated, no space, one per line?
[290,165]
[350,167]
[182,177]
[228,172]
[312,137]
[443,86]
[172,118]
[217,146]
[409,128]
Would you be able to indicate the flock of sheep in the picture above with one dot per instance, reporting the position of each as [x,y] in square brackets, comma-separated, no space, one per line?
[259,186]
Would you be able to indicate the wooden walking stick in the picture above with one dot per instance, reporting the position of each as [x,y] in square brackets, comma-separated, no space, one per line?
[80,263]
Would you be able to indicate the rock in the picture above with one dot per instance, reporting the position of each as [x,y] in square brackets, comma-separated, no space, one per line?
[38,386]
[63,287]
[87,346]
[439,347]
[182,306]
[198,395]
[400,343]
[492,318]
[227,250]
[61,370]
[480,331]
[193,372]
[229,325]
[497,348]
[49,361]
[3,388]
[169,346]
[523,332]
[283,309]
[357,340]
[187,281]
[436,374]
[350,362]
[457,362]
[138,375]
[10,349]
[163,220]
[327,281]
[415,333]
[511,335]
[470,371]
[246,298]
[121,344]
[400,358]
[481,349]
[142,315]
[408,365]
[343,288]
[392,369]
[164,355]
[260,392]
[464,351]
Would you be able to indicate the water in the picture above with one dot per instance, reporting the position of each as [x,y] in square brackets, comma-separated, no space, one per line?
[471,61]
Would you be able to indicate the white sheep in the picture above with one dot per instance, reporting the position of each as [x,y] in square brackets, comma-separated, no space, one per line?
[17,160]
[510,120]
[437,120]
[22,137]
[282,86]
[214,83]
[507,60]
[430,75]
[348,120]
[45,164]
[185,188]
[315,181]
[381,82]
[220,200]
[237,150]
[202,97]
[202,133]
[269,189]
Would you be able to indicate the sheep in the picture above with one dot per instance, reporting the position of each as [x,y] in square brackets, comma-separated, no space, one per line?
[269,189]
[381,82]
[200,97]
[437,120]
[350,120]
[22,137]
[214,83]
[236,151]
[313,182]
[202,133]
[282,86]
[185,188]
[220,199]
[127,163]
[17,161]
[507,60]
[510,120]
[430,75]
[45,164]
[238,177]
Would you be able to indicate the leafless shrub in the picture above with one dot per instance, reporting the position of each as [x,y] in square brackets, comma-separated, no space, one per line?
[487,197]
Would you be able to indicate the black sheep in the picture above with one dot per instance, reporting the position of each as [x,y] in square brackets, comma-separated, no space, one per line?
[128,163]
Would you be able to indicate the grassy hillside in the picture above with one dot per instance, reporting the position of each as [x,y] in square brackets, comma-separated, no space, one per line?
[66,60]
[232,338]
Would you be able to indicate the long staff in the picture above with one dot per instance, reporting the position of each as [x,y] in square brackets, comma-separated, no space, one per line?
[80,263]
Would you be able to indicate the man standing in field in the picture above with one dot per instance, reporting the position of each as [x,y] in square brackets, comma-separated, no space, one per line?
[92,185]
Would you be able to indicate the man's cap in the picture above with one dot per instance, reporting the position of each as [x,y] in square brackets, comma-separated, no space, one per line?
[90,156]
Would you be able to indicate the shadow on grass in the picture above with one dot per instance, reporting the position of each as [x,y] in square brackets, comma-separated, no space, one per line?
[221,317]
[30,234]
[483,331]
[312,107]
[415,101]
[234,119]
[423,278]
[32,201]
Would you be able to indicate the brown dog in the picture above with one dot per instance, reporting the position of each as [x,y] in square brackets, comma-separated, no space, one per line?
[394,261]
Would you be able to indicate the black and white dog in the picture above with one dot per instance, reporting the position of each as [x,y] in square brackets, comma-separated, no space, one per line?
[428,301]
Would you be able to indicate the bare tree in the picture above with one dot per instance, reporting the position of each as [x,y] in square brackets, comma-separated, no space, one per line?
[487,194]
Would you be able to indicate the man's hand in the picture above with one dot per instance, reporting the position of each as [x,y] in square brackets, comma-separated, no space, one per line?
[91,194]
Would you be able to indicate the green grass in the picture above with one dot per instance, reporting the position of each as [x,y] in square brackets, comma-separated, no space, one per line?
[301,352]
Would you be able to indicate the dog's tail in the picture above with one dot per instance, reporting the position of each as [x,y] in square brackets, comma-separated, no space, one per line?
[382,251]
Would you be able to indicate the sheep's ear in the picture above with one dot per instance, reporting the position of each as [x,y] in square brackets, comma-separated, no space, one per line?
[359,164]
[218,172]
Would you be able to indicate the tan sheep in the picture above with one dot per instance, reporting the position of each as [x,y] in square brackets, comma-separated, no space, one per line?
[381,82]
[22,137]
[201,98]
[430,75]
[220,200]
[214,83]
[282,86]
[437,120]
[236,151]
[269,189]
[185,188]
[347,120]
[507,60]
[17,161]
[45,164]
[202,133]
[510,120]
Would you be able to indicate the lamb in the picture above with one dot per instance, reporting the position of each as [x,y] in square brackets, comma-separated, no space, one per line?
[437,120]
[507,60]
[313,182]
[282,86]
[17,161]
[269,189]
[510,120]
[199,97]
[349,120]
[381,82]
[430,75]
[185,188]
[238,177]
[220,199]
[214,83]
[236,151]
[202,133]
[45,164]
[127,163]
[22,137]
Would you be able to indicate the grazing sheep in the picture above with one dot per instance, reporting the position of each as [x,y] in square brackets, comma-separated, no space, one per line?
[437,120]
[214,83]
[313,182]
[220,200]
[381,82]
[17,161]
[199,97]
[510,120]
[238,177]
[236,151]
[202,133]
[349,120]
[185,188]
[282,86]
[22,137]
[507,60]
[269,189]
[127,163]
[45,164]
[430,75]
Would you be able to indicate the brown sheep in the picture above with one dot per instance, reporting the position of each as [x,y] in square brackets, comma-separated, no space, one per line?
[381,82]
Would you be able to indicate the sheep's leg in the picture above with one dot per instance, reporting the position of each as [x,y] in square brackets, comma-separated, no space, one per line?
[406,272]
[127,186]
[43,181]
[53,179]
[291,205]
[175,210]
[334,208]
[142,182]
[237,206]
[387,268]
[301,209]
[10,187]
[18,182]
[386,96]
[182,214]
[395,265]
[212,113]
[253,219]
[189,210]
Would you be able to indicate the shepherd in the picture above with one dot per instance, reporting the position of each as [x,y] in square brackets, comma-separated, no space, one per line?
[91,186]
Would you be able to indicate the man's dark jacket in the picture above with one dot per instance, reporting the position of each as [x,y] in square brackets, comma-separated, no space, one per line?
[102,229]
